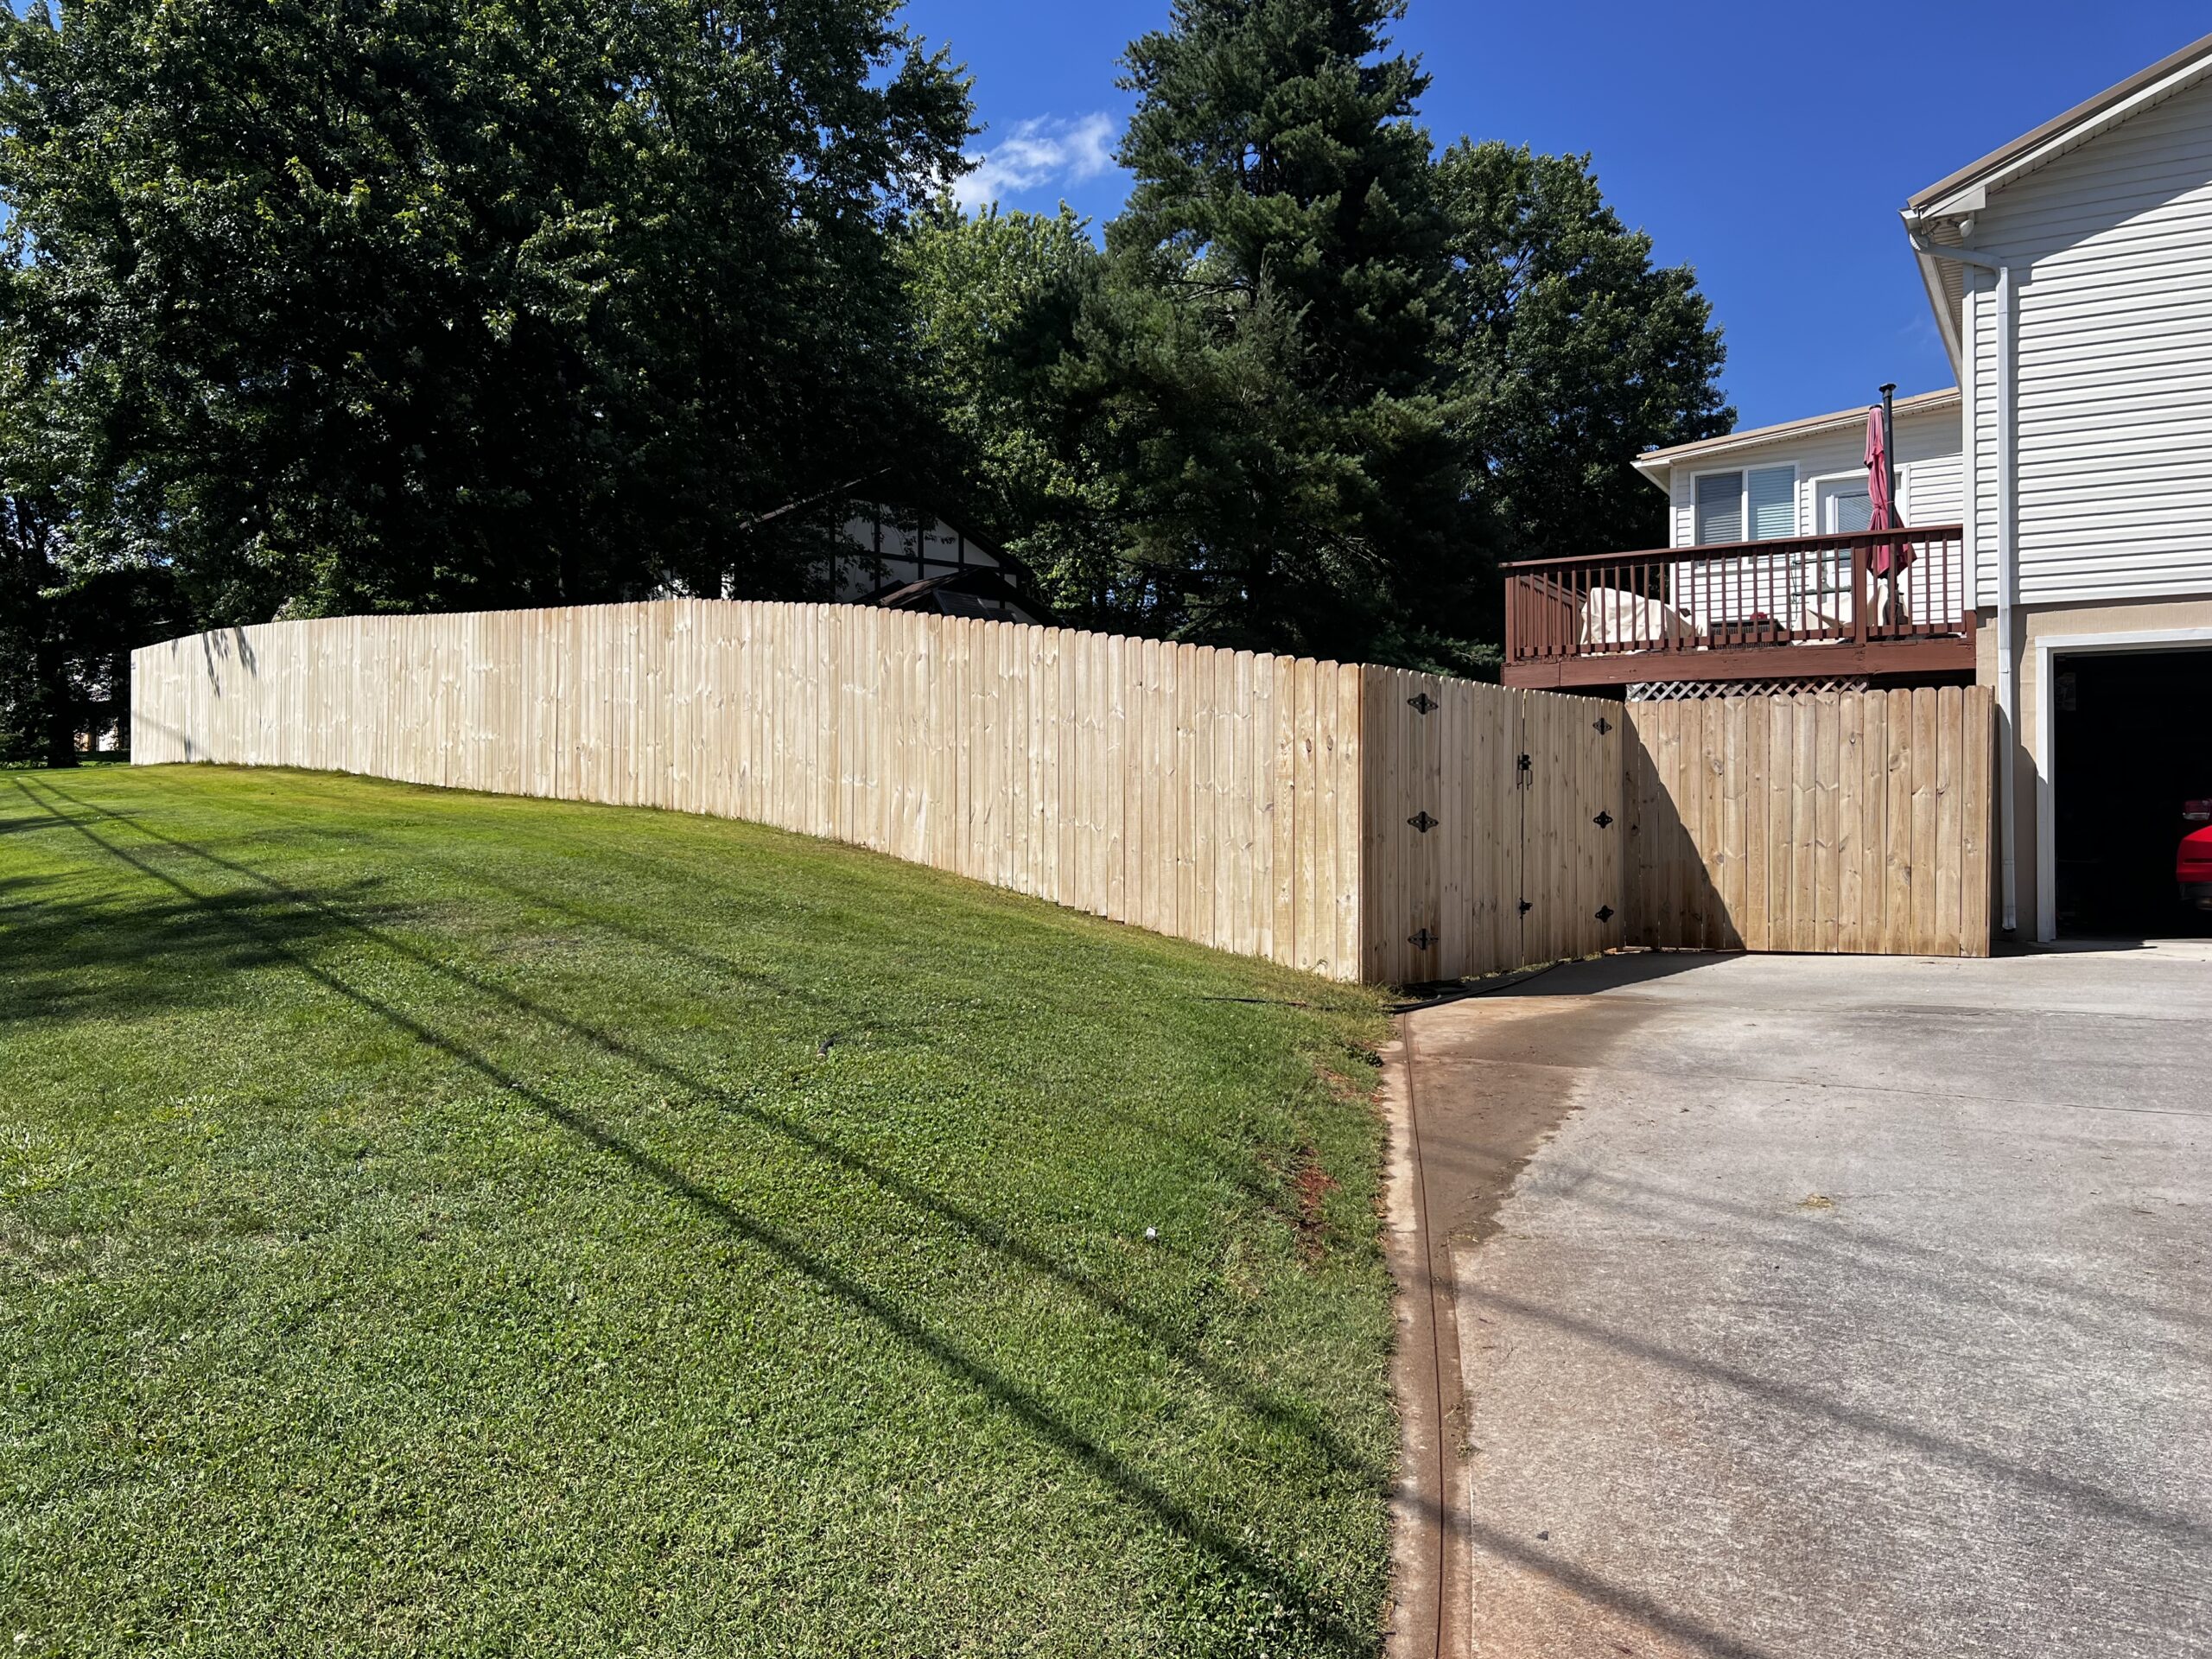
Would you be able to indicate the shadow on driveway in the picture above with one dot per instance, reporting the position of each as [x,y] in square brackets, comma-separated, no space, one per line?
[1821,1306]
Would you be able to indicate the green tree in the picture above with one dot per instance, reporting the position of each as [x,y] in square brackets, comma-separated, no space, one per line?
[994,301]
[66,624]
[1570,352]
[42,691]
[442,303]
[1258,375]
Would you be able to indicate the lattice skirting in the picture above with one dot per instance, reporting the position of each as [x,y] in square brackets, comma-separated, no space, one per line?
[1693,690]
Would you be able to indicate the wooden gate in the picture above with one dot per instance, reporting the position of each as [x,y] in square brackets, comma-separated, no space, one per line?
[1492,836]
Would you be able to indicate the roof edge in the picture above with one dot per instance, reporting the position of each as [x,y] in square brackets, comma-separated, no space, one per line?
[2196,55]
[1920,402]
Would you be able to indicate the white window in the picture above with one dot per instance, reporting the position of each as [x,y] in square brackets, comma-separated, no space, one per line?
[1845,505]
[1757,504]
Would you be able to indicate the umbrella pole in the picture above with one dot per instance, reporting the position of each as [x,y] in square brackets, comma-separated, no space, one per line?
[1890,444]
[1890,468]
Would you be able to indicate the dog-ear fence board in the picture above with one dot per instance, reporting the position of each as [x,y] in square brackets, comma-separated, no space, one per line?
[1355,821]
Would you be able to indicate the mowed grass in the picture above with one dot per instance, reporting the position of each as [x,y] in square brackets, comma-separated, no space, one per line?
[441,1224]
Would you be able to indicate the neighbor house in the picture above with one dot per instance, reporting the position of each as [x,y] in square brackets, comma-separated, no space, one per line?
[901,549]
[919,557]
[2059,501]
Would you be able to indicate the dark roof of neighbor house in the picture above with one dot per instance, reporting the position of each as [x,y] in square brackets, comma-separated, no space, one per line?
[961,592]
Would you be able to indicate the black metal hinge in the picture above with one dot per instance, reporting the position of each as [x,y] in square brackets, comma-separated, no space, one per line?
[1526,906]
[1423,823]
[1604,820]
[1420,702]
[1605,913]
[1422,940]
[1603,725]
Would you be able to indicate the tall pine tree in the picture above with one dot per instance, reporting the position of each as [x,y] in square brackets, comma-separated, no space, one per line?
[1260,373]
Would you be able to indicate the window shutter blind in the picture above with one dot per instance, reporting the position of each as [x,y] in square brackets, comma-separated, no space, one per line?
[1719,508]
[1773,504]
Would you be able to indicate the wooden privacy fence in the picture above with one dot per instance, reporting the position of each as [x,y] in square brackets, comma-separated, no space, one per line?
[1359,822]
[1850,822]
[1355,822]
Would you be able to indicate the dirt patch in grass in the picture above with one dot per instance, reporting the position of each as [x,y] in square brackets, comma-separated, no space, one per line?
[1312,1184]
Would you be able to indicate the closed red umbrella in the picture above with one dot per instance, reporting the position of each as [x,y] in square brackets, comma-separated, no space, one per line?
[1888,558]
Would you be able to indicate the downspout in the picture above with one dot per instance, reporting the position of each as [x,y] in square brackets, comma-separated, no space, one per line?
[2008,681]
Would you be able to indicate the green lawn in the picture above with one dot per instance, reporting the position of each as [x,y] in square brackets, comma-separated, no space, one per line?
[444,1223]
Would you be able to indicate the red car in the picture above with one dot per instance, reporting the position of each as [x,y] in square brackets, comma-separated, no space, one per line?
[2193,864]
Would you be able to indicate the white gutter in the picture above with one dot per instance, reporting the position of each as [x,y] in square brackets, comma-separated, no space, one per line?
[2008,684]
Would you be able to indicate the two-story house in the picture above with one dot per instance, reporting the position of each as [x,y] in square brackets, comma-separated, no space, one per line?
[2059,504]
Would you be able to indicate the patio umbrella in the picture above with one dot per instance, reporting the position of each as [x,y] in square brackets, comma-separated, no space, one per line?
[1888,558]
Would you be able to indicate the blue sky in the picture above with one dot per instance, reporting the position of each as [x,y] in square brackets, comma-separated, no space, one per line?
[1748,139]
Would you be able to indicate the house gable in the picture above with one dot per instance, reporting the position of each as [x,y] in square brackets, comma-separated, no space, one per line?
[2111,247]
[1824,449]
[1945,211]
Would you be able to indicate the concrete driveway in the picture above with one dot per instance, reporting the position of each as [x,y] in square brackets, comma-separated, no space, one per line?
[1848,1307]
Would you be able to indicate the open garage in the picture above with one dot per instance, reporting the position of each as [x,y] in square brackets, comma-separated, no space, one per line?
[2131,746]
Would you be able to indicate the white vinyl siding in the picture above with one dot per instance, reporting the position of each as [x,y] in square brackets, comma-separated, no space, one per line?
[1928,472]
[1928,488]
[2113,363]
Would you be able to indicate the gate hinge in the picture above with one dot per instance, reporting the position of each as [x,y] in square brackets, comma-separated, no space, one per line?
[1603,725]
[1420,702]
[1423,823]
[1422,940]
[1526,906]
[1605,913]
[1604,820]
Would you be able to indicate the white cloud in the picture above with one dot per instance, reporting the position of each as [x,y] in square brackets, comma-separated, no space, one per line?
[1035,153]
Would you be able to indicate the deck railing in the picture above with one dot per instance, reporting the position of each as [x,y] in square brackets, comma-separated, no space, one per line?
[1877,587]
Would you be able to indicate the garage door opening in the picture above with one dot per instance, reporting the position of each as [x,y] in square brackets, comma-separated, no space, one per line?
[2132,741]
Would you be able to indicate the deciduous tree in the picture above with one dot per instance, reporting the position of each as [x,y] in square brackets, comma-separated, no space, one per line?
[361,304]
[1571,352]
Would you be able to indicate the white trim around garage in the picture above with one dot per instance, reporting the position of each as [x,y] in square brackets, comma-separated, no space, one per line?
[2046,650]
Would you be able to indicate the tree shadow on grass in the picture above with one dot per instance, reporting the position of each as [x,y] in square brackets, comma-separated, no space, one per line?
[839,1018]
[1259,1402]
[63,961]
[1230,1553]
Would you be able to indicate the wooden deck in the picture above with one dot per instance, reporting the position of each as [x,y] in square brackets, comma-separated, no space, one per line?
[1876,603]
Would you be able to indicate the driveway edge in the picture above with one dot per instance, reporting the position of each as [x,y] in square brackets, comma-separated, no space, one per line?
[1427,1576]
